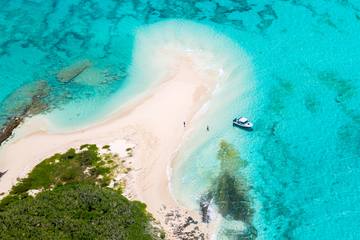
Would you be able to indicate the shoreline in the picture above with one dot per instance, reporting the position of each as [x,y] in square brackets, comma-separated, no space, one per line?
[154,125]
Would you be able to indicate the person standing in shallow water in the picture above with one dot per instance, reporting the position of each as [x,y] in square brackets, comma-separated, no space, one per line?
[207,128]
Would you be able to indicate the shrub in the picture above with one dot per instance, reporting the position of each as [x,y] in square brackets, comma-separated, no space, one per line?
[76,211]
[75,202]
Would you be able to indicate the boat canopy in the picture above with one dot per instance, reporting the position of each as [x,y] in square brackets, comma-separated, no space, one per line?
[243,120]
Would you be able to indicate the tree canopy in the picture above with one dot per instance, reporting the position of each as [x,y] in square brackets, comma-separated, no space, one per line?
[74,202]
[76,211]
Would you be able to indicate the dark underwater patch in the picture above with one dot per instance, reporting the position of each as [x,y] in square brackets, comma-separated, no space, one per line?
[26,101]
[345,92]
[267,16]
[311,103]
[230,192]
[344,89]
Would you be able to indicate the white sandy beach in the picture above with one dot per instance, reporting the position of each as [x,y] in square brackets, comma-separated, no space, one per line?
[184,62]
[153,123]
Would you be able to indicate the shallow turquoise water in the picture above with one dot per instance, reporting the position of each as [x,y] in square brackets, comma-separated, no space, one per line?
[304,97]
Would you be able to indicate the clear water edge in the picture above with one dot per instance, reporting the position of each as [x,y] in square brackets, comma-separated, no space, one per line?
[304,153]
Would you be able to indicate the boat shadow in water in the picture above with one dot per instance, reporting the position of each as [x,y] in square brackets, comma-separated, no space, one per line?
[245,129]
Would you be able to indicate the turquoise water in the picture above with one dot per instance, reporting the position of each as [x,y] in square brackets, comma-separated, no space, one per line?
[303,96]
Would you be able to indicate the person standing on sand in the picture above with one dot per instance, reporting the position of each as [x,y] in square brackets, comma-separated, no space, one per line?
[184,124]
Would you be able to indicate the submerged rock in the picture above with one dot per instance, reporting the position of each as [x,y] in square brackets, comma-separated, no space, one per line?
[19,101]
[229,189]
[230,193]
[236,230]
[182,226]
[68,73]
[231,198]
[7,131]
[26,101]
[3,173]
[205,201]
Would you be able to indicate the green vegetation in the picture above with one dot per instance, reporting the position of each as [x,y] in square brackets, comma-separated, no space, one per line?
[74,202]
[230,192]
[75,211]
[106,147]
[86,165]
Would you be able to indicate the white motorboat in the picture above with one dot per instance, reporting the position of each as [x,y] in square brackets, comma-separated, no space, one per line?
[243,122]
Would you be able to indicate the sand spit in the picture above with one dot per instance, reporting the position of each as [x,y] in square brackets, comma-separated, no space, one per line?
[185,62]
[154,124]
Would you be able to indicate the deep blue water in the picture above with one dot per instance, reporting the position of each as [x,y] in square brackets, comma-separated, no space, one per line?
[304,153]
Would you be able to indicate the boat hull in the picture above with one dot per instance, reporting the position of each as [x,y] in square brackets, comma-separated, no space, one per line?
[247,128]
